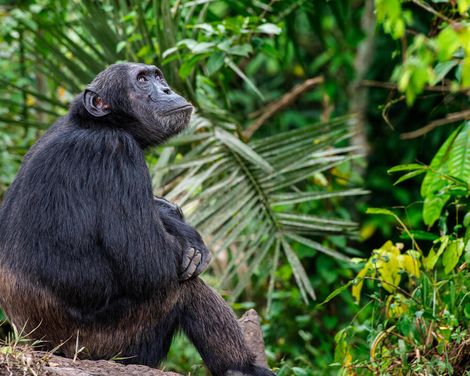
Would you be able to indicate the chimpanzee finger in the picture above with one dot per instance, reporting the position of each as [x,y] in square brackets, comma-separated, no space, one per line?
[188,272]
[204,263]
[187,258]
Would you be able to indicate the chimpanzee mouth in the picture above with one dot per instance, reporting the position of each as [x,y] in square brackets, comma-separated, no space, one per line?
[178,109]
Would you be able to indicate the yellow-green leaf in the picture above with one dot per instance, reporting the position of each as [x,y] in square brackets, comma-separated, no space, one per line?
[336,292]
[448,42]
[409,264]
[432,208]
[466,72]
[463,6]
[452,254]
[359,282]
[396,305]
[433,255]
[380,211]
[389,271]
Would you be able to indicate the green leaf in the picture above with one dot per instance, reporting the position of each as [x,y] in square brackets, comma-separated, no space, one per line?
[432,208]
[188,65]
[449,174]
[465,80]
[433,181]
[458,161]
[120,46]
[421,235]
[215,62]
[447,42]
[201,47]
[463,6]
[442,69]
[430,261]
[336,292]
[406,167]
[240,50]
[269,28]
[169,52]
[409,175]
[452,254]
[380,211]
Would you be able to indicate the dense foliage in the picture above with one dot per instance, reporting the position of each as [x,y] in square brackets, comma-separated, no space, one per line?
[303,107]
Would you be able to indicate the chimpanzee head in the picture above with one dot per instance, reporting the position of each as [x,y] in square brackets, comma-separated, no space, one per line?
[136,97]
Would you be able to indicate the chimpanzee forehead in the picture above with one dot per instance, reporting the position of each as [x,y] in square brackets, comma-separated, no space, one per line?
[120,71]
[130,67]
[142,67]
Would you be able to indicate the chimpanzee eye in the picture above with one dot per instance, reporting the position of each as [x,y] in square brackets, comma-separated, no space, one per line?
[158,75]
[142,78]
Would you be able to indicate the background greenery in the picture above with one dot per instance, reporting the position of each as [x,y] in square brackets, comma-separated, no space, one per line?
[302,107]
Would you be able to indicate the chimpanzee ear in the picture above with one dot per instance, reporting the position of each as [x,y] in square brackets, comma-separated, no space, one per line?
[94,104]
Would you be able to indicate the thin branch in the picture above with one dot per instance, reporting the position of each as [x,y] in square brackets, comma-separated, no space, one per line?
[280,104]
[386,109]
[430,9]
[392,86]
[450,118]
[398,288]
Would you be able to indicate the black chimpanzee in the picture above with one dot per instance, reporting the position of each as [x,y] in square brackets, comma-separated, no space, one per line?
[86,251]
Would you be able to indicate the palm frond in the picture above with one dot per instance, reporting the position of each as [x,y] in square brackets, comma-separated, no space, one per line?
[241,196]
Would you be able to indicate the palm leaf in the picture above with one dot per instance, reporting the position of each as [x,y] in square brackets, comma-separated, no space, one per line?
[230,190]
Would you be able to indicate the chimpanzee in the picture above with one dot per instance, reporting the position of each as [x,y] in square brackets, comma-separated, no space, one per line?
[88,254]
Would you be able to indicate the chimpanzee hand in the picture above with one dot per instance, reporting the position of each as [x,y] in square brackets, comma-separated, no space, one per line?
[195,256]
[195,261]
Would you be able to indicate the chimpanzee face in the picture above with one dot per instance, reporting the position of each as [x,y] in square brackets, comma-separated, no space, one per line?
[137,98]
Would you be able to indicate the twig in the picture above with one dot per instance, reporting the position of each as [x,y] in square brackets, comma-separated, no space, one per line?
[280,104]
[386,109]
[392,86]
[404,292]
[450,118]
[430,9]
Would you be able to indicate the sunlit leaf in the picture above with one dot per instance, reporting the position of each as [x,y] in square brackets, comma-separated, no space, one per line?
[452,254]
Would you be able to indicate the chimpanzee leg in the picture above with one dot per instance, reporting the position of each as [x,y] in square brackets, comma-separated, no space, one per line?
[153,345]
[212,327]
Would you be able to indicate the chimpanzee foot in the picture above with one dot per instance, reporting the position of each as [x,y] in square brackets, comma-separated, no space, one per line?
[194,262]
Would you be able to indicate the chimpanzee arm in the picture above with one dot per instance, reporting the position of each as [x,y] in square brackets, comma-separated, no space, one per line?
[196,256]
[87,211]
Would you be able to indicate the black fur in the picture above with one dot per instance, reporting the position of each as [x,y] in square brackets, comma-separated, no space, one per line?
[85,248]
